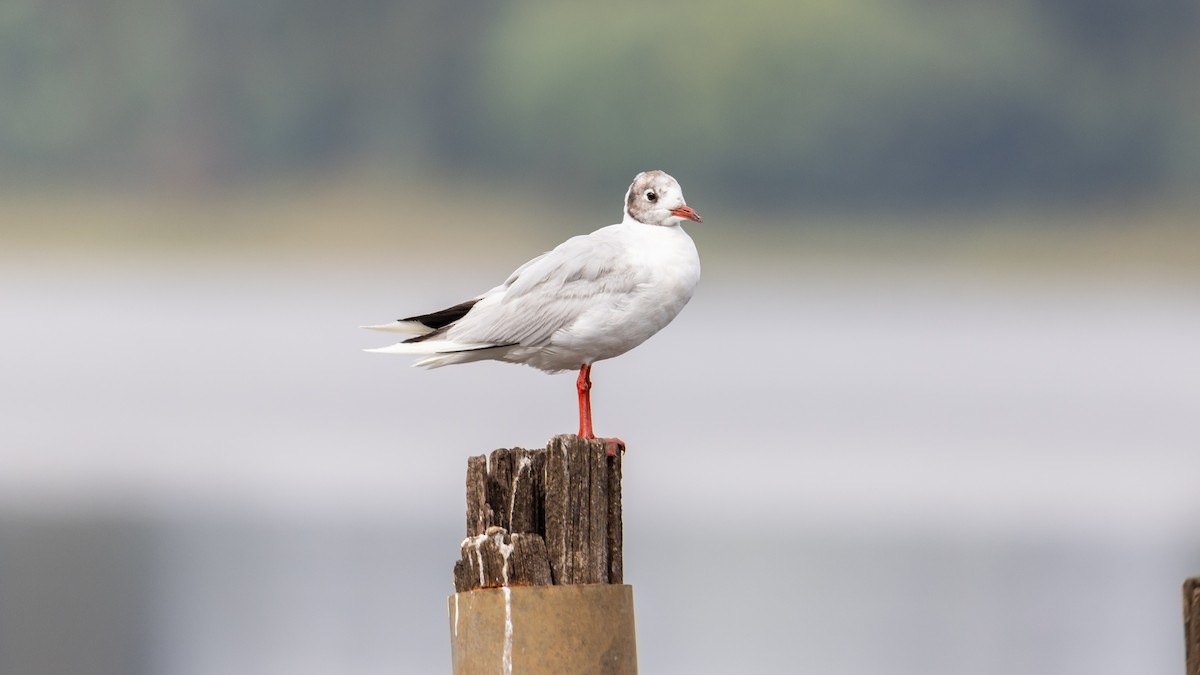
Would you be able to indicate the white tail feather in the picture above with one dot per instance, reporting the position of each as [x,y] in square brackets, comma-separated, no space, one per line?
[429,347]
[401,327]
[443,352]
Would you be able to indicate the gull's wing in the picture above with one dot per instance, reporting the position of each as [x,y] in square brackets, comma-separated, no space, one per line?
[550,292]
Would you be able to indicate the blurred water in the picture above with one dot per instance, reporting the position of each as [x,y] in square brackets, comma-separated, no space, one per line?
[864,471]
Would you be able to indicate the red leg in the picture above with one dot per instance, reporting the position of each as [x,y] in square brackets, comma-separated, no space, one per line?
[584,386]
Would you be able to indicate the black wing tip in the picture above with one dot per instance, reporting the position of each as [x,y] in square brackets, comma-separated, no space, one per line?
[431,334]
[444,317]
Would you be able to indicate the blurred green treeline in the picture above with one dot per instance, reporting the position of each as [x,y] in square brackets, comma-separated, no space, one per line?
[824,102]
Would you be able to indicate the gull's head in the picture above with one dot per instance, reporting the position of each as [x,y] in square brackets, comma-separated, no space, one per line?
[655,198]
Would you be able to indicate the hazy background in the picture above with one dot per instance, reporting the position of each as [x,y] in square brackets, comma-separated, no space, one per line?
[933,409]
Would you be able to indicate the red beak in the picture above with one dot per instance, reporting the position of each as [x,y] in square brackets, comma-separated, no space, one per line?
[686,212]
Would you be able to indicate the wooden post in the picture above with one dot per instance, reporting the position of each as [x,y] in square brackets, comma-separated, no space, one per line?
[1191,624]
[539,579]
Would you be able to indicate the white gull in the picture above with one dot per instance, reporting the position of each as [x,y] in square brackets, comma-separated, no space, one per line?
[593,297]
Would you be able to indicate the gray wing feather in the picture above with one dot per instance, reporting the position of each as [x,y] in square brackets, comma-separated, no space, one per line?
[550,292]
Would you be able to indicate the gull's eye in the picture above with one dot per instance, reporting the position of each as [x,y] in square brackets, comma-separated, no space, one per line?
[651,195]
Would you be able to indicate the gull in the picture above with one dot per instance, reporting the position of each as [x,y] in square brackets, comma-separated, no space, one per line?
[593,297]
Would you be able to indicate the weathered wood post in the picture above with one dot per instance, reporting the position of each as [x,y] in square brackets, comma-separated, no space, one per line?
[1191,624]
[539,585]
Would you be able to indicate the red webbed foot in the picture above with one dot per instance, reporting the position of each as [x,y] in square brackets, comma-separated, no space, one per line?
[613,445]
